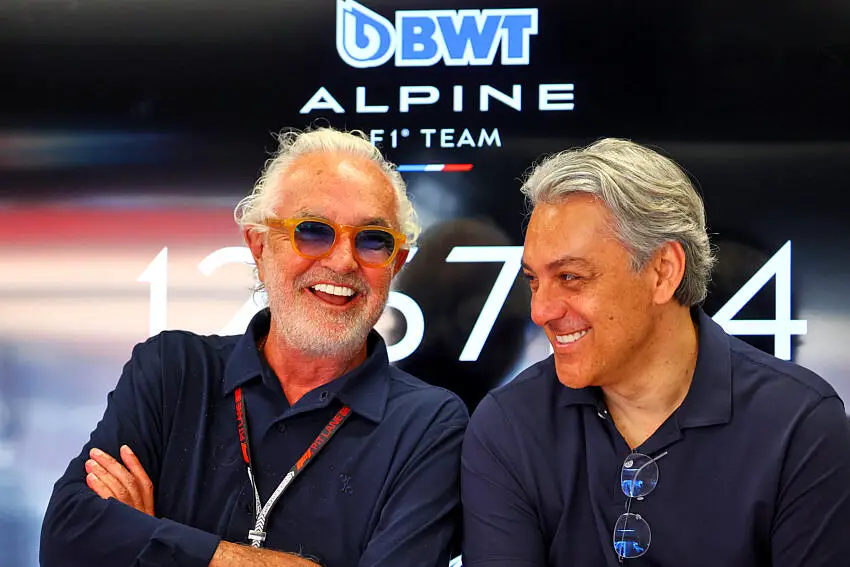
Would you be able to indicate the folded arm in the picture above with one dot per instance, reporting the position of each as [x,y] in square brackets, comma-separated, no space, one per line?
[102,511]
[80,528]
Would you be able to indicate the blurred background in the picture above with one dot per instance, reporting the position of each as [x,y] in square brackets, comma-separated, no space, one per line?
[129,130]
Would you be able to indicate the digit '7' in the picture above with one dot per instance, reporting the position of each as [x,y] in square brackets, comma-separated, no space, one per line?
[511,257]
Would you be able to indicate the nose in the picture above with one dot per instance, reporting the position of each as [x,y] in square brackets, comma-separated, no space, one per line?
[546,306]
[342,259]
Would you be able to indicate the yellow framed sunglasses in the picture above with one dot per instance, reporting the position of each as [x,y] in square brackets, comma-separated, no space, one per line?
[374,246]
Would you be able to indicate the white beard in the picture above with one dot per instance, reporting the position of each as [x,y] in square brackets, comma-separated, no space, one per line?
[314,331]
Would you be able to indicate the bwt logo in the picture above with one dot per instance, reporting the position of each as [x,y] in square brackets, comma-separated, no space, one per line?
[421,38]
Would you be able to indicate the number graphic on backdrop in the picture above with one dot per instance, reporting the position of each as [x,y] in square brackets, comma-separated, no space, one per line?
[414,321]
[511,257]
[412,314]
[156,274]
[778,266]
[232,255]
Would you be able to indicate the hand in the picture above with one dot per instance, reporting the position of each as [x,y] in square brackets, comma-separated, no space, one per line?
[129,485]
[235,555]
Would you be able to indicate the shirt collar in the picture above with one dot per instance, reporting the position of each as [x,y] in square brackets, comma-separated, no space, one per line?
[591,395]
[364,389]
[245,360]
[709,398]
[367,386]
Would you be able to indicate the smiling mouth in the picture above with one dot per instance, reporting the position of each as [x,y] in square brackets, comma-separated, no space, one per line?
[333,294]
[571,338]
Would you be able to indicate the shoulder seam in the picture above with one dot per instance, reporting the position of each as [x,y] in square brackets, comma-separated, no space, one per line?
[783,372]
[508,421]
[422,384]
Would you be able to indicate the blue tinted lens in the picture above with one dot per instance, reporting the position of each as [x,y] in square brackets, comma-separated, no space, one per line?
[639,475]
[313,238]
[374,246]
[631,536]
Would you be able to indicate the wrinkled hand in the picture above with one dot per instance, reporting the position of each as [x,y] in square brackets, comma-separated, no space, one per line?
[128,483]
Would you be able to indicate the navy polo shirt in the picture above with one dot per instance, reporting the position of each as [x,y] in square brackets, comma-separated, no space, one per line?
[757,471]
[384,491]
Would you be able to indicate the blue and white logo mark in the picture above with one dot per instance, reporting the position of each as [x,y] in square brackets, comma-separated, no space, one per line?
[421,38]
[363,38]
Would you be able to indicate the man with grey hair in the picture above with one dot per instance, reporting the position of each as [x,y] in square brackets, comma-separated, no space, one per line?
[650,436]
[296,443]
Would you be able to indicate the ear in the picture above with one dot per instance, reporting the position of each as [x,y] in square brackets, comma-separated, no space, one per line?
[256,241]
[668,269]
[399,260]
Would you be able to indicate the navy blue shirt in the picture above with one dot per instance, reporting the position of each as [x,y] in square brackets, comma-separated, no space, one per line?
[757,471]
[384,491]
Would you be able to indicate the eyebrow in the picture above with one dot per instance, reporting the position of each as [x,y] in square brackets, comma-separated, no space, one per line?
[561,262]
[376,221]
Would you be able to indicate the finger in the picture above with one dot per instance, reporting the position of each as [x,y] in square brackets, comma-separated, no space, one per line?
[119,480]
[116,489]
[138,471]
[98,486]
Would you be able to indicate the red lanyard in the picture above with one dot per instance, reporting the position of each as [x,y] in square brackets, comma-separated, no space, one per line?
[261,512]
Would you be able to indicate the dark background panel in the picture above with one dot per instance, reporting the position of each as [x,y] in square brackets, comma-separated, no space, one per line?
[151,108]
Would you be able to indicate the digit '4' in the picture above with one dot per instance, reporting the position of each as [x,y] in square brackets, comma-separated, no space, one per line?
[782,327]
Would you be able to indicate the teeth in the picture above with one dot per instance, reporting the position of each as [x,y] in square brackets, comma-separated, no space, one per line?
[571,338]
[334,289]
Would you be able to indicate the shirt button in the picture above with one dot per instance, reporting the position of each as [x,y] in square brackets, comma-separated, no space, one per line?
[281,427]
[324,395]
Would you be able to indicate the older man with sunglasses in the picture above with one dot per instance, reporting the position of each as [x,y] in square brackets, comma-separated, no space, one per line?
[296,443]
[650,437]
